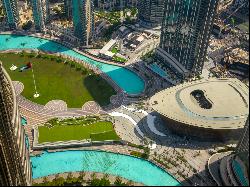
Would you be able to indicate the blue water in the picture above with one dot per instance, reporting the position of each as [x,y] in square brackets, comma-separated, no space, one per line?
[237,168]
[23,121]
[131,168]
[158,70]
[27,141]
[127,80]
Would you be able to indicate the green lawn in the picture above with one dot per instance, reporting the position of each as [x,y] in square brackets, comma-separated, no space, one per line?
[55,80]
[97,131]
[114,50]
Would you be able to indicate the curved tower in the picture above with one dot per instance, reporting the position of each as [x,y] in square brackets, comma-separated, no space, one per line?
[15,169]
[151,12]
[10,9]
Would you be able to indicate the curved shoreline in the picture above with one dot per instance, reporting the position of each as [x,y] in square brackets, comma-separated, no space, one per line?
[83,54]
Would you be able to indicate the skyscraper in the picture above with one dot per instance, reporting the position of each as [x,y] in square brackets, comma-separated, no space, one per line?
[10,9]
[151,12]
[41,13]
[15,169]
[185,35]
[83,20]
[242,5]
[107,4]
[68,8]
[114,4]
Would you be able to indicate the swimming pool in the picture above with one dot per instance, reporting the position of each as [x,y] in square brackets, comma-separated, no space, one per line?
[126,79]
[23,121]
[154,67]
[128,167]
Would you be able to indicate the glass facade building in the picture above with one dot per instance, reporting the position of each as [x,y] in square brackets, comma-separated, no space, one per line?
[151,12]
[40,13]
[10,10]
[83,20]
[114,4]
[68,8]
[186,29]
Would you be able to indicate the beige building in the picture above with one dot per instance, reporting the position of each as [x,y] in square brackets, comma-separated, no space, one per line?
[15,166]
[207,109]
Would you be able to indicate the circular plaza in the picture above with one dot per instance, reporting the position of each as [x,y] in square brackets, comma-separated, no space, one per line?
[214,109]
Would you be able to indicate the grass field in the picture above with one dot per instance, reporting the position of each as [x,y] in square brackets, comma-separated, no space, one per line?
[77,130]
[58,81]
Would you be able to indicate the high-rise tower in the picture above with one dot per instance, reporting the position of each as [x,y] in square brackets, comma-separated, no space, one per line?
[10,9]
[242,6]
[83,20]
[41,13]
[68,8]
[151,12]
[15,169]
[186,30]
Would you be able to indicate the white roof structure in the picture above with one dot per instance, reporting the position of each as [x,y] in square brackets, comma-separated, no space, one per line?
[106,48]
[229,99]
[140,38]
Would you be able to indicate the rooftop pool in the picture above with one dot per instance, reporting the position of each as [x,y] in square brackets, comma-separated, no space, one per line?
[126,79]
[154,67]
[128,167]
[23,121]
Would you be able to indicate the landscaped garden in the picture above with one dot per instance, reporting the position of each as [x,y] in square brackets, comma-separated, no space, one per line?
[119,59]
[82,180]
[57,79]
[77,129]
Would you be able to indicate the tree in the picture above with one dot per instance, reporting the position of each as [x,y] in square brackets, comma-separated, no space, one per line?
[26,26]
[70,176]
[45,179]
[104,182]
[81,176]
[129,183]
[118,182]
[93,176]
[57,176]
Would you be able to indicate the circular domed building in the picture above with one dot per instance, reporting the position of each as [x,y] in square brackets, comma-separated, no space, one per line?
[214,109]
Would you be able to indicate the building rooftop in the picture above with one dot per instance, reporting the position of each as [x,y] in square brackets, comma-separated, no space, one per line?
[106,48]
[213,103]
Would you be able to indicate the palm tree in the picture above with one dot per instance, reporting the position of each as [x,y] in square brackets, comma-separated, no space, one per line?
[45,179]
[82,175]
[93,175]
[129,183]
[70,176]
[57,176]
